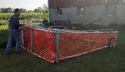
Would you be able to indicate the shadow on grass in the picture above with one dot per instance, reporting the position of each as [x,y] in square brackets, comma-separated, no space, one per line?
[3,38]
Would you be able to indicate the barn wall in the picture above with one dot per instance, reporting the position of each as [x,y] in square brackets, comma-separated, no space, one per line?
[91,13]
[77,3]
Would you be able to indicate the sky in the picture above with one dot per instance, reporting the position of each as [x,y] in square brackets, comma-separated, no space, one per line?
[26,4]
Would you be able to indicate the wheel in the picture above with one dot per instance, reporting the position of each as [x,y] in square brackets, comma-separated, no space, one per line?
[112,43]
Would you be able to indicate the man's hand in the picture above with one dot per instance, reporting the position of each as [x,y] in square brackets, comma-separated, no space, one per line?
[22,24]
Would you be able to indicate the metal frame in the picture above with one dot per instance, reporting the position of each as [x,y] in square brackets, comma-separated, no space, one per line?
[111,31]
[57,47]
[31,39]
[57,42]
[22,36]
[89,41]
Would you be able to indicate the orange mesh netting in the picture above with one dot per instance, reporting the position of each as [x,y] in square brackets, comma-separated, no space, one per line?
[71,44]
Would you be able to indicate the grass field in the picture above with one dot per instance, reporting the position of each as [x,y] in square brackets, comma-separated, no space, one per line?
[25,18]
[104,60]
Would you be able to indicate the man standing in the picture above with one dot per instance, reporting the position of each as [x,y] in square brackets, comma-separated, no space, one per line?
[14,32]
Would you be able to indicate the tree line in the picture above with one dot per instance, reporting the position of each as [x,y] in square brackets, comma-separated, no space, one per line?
[43,9]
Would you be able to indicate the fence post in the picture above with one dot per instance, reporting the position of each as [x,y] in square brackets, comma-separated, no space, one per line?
[31,39]
[22,37]
[111,31]
[57,47]
[65,27]
[89,39]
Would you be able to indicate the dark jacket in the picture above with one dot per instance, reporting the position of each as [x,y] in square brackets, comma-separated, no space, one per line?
[14,22]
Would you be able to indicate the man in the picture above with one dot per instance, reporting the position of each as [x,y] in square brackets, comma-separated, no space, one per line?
[14,32]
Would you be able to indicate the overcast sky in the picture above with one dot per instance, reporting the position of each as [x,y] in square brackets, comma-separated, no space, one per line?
[27,4]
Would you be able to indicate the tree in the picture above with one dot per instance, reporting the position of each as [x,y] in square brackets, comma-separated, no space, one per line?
[9,10]
[45,8]
[22,10]
[6,10]
[39,9]
[29,11]
[0,11]
[35,10]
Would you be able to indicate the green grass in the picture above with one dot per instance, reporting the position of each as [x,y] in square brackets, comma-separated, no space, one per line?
[104,60]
